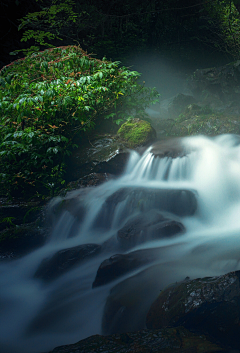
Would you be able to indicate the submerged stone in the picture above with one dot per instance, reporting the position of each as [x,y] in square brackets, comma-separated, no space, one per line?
[65,260]
[148,226]
[121,264]
[132,199]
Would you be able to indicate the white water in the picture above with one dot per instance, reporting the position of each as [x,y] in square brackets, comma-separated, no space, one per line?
[36,317]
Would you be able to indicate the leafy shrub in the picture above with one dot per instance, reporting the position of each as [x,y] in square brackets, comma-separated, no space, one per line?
[46,99]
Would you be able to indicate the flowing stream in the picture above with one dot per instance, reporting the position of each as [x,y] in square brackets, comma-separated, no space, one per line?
[37,316]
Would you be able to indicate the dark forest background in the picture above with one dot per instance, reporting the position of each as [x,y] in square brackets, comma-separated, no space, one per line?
[188,32]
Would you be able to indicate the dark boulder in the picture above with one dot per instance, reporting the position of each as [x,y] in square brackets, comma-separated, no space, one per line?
[179,202]
[168,340]
[148,226]
[121,264]
[209,305]
[103,155]
[223,81]
[65,260]
[172,148]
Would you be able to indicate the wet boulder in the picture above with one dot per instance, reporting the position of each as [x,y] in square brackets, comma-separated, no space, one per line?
[104,154]
[148,226]
[64,260]
[171,148]
[168,340]
[121,264]
[130,200]
[136,132]
[209,305]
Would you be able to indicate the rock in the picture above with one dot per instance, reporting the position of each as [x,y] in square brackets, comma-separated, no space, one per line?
[136,132]
[21,239]
[93,179]
[148,226]
[178,202]
[172,148]
[168,340]
[120,264]
[179,104]
[65,260]
[103,155]
[209,305]
[223,82]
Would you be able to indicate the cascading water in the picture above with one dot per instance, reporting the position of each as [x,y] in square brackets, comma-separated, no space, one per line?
[196,196]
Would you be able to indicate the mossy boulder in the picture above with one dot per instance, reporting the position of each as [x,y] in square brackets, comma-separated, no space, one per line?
[136,132]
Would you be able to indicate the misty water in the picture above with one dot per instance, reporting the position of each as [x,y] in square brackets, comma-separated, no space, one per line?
[37,316]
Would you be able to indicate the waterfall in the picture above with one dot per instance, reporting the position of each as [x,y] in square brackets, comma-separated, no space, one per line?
[196,196]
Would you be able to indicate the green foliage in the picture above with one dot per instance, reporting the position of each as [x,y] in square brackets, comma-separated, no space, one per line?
[46,25]
[46,99]
[8,221]
[224,26]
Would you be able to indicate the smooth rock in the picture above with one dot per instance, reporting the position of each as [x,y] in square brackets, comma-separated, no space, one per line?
[65,260]
[120,264]
[132,199]
[148,226]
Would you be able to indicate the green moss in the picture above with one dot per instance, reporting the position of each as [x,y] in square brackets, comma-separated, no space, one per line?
[136,132]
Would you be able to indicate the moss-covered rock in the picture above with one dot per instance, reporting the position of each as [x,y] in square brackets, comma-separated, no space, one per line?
[209,305]
[136,132]
[201,119]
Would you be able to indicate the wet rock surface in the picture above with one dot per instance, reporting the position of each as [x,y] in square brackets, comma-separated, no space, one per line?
[209,305]
[178,202]
[64,260]
[168,340]
[120,264]
[172,148]
[103,155]
[148,226]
